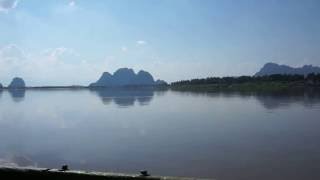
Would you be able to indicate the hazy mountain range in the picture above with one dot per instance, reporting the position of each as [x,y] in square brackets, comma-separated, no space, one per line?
[16,83]
[273,68]
[126,77]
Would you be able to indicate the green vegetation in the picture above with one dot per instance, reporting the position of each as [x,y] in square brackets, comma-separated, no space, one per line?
[248,83]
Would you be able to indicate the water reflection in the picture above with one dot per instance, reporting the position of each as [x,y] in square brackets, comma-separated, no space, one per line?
[125,97]
[218,133]
[17,94]
[270,99]
[283,99]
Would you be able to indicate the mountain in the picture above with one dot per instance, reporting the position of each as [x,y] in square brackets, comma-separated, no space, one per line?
[125,77]
[161,82]
[273,68]
[1,86]
[143,77]
[17,83]
[106,78]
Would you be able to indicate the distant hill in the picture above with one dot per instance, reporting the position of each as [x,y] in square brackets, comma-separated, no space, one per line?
[126,77]
[273,68]
[17,83]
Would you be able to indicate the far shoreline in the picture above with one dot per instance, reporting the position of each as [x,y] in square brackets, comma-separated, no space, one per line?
[85,87]
[252,86]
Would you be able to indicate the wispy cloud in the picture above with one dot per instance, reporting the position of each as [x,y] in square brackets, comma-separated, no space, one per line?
[72,3]
[141,43]
[12,50]
[124,49]
[59,52]
[7,5]
[53,66]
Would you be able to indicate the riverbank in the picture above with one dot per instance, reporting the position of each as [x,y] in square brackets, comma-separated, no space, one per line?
[242,87]
[245,87]
[49,174]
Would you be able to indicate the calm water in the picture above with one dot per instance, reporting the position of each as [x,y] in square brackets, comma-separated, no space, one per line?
[225,136]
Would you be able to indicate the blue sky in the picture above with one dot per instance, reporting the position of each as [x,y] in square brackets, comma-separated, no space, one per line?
[62,42]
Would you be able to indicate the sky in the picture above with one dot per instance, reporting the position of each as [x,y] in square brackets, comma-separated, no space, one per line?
[72,42]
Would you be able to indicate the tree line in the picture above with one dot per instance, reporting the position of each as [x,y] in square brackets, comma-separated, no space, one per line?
[310,78]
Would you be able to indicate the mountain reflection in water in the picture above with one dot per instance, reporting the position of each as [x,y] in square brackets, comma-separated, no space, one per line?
[17,95]
[269,99]
[264,135]
[125,97]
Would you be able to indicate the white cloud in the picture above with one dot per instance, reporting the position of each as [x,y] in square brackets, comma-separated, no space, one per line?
[72,3]
[124,49]
[12,50]
[60,52]
[11,59]
[56,66]
[141,43]
[7,5]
